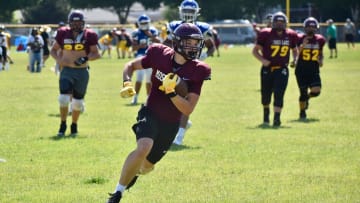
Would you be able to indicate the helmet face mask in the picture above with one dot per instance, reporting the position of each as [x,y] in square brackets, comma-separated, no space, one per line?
[188,41]
[76,21]
[189,10]
[279,21]
[143,22]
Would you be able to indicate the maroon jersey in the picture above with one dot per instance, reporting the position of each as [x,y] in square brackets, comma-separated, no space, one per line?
[83,41]
[276,48]
[193,72]
[312,51]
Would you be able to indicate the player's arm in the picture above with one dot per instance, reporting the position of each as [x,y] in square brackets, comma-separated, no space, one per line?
[130,67]
[55,50]
[127,88]
[257,52]
[94,53]
[295,54]
[186,105]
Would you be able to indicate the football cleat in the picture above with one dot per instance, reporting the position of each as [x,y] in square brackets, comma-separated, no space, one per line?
[62,130]
[302,115]
[277,123]
[74,130]
[114,197]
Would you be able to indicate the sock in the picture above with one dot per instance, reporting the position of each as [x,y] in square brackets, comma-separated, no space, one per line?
[277,116]
[63,122]
[120,188]
[266,114]
[181,132]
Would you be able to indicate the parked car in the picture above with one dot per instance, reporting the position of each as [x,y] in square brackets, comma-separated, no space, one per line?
[235,31]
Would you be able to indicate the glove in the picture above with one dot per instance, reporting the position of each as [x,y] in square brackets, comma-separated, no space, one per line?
[80,61]
[169,83]
[127,90]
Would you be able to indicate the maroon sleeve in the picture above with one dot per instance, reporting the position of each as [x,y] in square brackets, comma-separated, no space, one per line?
[60,37]
[295,39]
[262,37]
[91,37]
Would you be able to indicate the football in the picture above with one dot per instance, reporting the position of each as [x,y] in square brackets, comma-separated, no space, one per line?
[181,88]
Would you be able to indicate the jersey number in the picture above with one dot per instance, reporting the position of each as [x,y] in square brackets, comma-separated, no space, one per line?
[276,49]
[310,55]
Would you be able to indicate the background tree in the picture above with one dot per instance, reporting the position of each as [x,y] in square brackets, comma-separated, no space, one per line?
[46,12]
[8,7]
[120,7]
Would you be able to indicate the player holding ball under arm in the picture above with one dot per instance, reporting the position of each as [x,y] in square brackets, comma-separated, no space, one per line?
[158,120]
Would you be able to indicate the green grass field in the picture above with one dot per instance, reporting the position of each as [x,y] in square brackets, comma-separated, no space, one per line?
[227,157]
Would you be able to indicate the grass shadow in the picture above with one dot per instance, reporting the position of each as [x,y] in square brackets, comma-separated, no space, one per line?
[175,148]
[268,127]
[54,115]
[307,120]
[57,138]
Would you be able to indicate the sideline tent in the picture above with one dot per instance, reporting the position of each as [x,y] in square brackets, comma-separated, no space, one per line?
[20,43]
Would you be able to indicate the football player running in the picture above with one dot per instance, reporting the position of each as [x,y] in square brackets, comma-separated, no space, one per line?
[309,62]
[189,11]
[142,38]
[158,120]
[272,49]
[74,46]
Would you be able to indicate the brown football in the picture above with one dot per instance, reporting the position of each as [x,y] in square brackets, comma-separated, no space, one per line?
[181,89]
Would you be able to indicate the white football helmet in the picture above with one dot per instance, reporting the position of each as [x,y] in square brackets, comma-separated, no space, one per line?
[189,10]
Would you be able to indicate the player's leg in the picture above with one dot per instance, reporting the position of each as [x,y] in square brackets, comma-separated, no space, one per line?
[79,90]
[139,78]
[148,73]
[65,87]
[281,78]
[266,91]
[182,130]
[145,129]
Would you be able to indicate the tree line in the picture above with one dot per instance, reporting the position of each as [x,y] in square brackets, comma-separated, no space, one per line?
[50,12]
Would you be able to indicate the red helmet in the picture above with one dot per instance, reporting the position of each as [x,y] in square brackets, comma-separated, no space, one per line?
[183,46]
[76,21]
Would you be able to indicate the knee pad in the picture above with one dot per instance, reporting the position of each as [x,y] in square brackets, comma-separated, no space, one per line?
[314,94]
[140,75]
[64,100]
[77,104]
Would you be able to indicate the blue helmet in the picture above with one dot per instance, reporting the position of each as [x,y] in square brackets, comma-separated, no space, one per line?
[189,10]
[143,22]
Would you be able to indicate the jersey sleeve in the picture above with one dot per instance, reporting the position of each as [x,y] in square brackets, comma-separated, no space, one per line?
[150,55]
[261,39]
[92,38]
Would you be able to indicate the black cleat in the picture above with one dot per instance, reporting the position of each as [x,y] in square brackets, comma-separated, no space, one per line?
[62,130]
[302,115]
[74,130]
[277,123]
[114,197]
[132,182]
